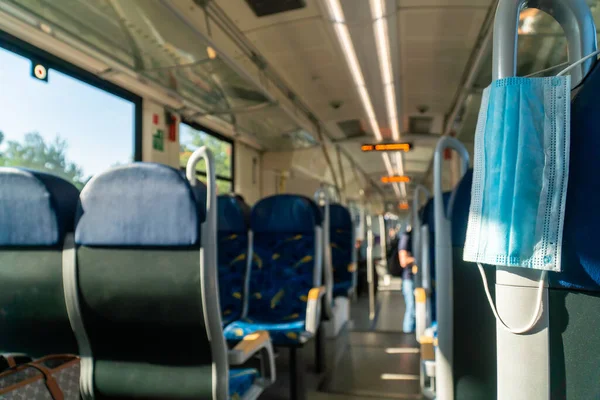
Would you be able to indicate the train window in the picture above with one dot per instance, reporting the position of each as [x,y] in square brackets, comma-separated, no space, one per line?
[59,124]
[191,137]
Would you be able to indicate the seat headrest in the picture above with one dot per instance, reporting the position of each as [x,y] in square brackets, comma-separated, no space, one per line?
[459,215]
[36,209]
[234,214]
[339,217]
[428,210]
[286,213]
[140,204]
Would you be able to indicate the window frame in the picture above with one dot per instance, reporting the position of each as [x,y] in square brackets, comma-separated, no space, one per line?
[31,52]
[216,135]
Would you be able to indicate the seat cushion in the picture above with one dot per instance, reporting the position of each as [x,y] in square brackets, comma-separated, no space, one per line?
[281,277]
[240,381]
[232,239]
[232,260]
[282,334]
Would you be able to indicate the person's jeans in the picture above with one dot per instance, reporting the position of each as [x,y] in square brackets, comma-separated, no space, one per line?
[408,288]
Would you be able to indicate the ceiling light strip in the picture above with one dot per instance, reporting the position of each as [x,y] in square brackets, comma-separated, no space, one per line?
[341,30]
[380,27]
[390,170]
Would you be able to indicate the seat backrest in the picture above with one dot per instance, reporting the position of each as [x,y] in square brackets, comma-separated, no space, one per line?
[341,231]
[147,299]
[474,324]
[429,220]
[287,260]
[36,214]
[232,241]
[574,294]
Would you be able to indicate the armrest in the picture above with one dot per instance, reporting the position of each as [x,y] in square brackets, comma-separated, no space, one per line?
[420,295]
[248,347]
[252,344]
[313,308]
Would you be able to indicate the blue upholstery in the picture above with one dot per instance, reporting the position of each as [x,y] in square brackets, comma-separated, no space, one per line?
[232,237]
[581,252]
[429,219]
[283,265]
[459,214]
[286,213]
[120,208]
[342,247]
[282,334]
[36,209]
[240,380]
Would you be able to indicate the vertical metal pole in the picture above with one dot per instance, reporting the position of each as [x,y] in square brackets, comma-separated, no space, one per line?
[370,268]
[524,360]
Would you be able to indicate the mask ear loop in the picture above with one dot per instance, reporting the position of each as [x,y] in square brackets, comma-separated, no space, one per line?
[576,63]
[538,310]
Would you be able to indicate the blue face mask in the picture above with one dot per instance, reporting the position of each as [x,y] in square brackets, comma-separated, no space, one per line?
[520,174]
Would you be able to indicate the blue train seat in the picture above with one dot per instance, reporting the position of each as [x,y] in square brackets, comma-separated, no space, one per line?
[341,231]
[148,291]
[474,325]
[232,241]
[429,220]
[286,268]
[37,213]
[574,294]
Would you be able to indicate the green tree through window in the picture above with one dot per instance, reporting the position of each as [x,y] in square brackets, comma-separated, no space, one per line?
[35,153]
[191,139]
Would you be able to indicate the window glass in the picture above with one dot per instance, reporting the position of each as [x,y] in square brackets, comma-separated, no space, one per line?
[191,139]
[62,126]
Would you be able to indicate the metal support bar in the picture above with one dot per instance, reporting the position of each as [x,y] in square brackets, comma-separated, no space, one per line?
[240,110]
[326,155]
[371,267]
[297,374]
[444,355]
[320,355]
[524,360]
[340,166]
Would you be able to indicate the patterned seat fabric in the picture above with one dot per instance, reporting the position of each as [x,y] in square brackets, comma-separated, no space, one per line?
[342,248]
[240,381]
[283,269]
[232,237]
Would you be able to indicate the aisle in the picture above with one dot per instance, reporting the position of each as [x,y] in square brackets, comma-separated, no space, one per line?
[380,361]
[369,360]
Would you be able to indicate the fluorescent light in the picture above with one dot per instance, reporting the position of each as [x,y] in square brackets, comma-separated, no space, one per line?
[366,100]
[381,39]
[399,163]
[380,28]
[402,350]
[335,10]
[390,101]
[343,35]
[390,171]
[388,164]
[399,377]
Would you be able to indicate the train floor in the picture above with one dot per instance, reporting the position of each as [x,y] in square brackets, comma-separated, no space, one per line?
[369,360]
